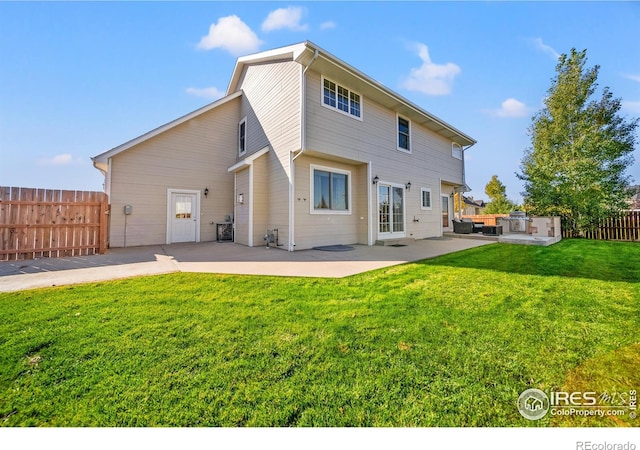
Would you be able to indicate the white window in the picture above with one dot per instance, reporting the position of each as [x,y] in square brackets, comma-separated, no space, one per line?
[425,198]
[330,190]
[456,150]
[404,134]
[341,99]
[242,137]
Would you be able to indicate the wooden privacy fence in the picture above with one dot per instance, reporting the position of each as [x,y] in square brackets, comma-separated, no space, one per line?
[622,227]
[51,223]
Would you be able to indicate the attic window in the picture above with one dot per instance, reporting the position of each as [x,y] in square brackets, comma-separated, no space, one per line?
[341,99]
[456,150]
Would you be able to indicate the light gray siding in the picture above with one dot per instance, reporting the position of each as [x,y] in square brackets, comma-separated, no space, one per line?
[271,103]
[317,229]
[374,139]
[241,235]
[193,155]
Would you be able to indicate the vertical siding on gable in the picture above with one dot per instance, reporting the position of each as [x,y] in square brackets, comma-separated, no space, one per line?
[193,155]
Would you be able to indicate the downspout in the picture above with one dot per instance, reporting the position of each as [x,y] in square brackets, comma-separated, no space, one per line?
[440,203]
[371,221]
[303,147]
[303,108]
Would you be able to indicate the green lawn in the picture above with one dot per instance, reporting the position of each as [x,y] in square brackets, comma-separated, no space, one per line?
[450,341]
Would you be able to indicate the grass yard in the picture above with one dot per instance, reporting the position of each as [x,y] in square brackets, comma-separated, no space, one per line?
[450,341]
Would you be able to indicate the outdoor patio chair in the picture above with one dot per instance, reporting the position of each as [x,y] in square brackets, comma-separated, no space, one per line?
[476,227]
[462,227]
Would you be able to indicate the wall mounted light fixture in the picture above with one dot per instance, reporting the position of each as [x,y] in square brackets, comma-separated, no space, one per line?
[408,185]
[376,179]
[206,191]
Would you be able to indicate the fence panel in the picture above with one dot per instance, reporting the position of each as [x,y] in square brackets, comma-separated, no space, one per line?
[51,223]
[623,227]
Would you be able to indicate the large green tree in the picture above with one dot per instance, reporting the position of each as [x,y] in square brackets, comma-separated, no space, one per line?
[581,148]
[497,193]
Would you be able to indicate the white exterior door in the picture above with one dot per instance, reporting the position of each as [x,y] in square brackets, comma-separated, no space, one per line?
[183,217]
[391,222]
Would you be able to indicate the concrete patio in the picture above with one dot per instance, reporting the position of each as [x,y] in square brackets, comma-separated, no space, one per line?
[223,258]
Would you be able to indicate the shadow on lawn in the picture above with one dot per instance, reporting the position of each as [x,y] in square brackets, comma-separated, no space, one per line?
[577,258]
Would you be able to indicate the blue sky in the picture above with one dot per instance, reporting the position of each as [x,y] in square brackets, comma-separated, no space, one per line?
[77,79]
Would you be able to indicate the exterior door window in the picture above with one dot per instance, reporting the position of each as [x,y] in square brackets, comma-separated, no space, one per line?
[445,211]
[183,217]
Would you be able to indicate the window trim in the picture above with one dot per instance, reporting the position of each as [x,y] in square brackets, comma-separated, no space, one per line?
[403,150]
[312,209]
[422,207]
[349,93]
[455,148]
[241,151]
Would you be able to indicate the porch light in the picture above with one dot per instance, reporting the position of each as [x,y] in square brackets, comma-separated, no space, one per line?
[206,191]
[408,185]
[376,179]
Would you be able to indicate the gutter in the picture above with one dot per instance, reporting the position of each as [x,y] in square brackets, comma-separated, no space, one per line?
[303,147]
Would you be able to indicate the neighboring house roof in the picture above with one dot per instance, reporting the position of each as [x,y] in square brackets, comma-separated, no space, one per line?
[331,66]
[101,160]
[471,202]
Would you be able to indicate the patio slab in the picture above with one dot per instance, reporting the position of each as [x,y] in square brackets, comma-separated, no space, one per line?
[214,257]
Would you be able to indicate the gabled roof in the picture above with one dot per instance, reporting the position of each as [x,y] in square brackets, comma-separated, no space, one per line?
[330,65]
[101,160]
[471,202]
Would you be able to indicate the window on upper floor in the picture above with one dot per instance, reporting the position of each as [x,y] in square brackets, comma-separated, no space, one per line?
[330,190]
[404,134]
[242,137]
[425,198]
[341,99]
[456,150]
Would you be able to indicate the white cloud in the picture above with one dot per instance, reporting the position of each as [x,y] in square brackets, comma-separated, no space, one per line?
[64,159]
[632,77]
[327,25]
[288,18]
[537,42]
[510,108]
[230,34]
[631,107]
[212,93]
[431,78]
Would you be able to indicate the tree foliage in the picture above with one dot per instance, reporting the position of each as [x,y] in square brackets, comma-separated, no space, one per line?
[495,189]
[580,149]
[497,193]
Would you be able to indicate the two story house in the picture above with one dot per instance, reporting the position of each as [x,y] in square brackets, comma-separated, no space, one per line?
[302,143]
